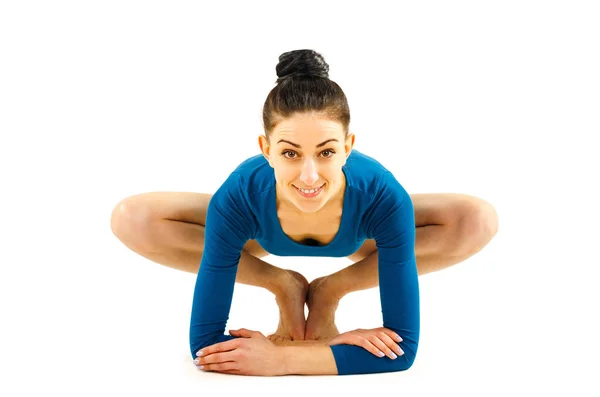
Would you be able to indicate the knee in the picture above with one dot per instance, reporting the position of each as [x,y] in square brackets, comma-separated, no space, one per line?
[478,223]
[129,218]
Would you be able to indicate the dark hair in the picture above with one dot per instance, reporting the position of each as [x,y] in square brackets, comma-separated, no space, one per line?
[303,85]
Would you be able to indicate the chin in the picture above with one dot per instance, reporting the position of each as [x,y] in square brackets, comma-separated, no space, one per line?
[310,205]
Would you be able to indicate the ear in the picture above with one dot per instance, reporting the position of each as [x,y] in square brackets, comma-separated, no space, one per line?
[349,144]
[265,148]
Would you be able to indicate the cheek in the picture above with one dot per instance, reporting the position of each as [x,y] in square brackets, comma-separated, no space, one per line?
[284,176]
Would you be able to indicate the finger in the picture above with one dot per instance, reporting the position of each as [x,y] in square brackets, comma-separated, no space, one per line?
[219,347]
[392,334]
[217,358]
[228,366]
[243,332]
[376,339]
[361,341]
[370,347]
[389,338]
[237,333]
[247,333]
[232,372]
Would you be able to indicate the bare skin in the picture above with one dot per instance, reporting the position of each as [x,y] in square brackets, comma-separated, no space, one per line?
[322,304]
[291,309]
[168,228]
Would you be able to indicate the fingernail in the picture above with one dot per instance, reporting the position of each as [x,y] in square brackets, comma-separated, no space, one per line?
[381,354]
[196,361]
[394,356]
[199,353]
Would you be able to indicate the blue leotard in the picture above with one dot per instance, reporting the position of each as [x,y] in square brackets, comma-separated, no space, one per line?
[375,206]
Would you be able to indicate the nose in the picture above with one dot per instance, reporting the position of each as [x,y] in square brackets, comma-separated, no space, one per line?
[309,174]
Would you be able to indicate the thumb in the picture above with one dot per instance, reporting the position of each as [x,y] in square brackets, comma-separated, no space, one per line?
[242,332]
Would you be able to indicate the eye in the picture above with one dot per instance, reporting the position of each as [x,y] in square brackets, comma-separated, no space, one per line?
[287,151]
[330,151]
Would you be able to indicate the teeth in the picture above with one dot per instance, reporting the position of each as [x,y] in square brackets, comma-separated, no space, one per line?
[311,191]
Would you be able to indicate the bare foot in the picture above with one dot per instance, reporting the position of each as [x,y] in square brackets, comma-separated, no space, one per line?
[291,302]
[322,304]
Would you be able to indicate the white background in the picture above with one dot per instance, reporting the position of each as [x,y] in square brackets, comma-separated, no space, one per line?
[103,100]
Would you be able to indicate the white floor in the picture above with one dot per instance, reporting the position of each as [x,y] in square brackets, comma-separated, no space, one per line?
[100,102]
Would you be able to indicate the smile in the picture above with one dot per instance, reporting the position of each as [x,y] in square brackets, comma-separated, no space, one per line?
[309,193]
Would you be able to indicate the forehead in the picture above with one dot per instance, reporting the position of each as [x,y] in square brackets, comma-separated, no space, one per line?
[307,126]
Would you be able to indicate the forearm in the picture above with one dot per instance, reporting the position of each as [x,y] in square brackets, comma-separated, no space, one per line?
[308,360]
[307,342]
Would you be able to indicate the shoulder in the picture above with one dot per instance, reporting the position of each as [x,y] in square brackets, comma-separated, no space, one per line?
[251,163]
[368,175]
[362,163]
[252,175]
[236,199]
[255,175]
[245,185]
[382,196]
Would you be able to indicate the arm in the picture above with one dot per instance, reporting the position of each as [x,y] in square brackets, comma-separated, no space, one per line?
[228,227]
[391,223]
[308,360]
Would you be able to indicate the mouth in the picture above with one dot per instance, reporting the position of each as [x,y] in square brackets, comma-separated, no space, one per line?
[309,193]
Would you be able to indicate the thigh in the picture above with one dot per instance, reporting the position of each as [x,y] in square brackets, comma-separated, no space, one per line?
[175,206]
[430,209]
[255,249]
[188,207]
[439,208]
[365,250]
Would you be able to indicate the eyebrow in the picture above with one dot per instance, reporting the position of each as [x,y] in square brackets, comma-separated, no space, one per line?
[300,147]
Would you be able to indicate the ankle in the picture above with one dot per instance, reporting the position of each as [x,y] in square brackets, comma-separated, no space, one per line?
[333,286]
[281,281]
[256,272]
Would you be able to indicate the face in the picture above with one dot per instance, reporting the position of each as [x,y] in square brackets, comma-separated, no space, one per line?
[307,151]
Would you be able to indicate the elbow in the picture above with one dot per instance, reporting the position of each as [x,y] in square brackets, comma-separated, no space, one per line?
[405,361]
[409,360]
[197,345]
[200,341]
[410,355]
[402,363]
[410,347]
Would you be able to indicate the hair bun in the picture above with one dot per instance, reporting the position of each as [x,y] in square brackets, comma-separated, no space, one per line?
[301,63]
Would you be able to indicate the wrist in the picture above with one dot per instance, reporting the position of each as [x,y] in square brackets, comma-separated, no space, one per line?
[307,342]
[314,359]
[284,359]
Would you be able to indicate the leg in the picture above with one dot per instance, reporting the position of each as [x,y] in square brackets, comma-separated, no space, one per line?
[168,228]
[449,229]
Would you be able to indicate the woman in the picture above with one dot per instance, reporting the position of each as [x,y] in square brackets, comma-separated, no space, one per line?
[307,194]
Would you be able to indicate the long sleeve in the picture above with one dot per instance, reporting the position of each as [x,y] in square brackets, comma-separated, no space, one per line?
[228,226]
[391,223]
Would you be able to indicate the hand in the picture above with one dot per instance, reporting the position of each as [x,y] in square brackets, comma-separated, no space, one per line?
[250,354]
[306,342]
[379,341]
